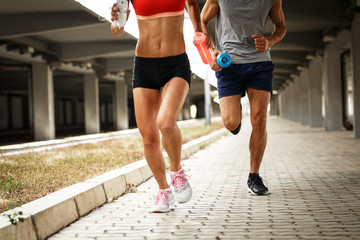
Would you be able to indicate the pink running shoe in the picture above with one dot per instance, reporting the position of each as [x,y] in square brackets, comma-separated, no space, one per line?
[163,201]
[181,186]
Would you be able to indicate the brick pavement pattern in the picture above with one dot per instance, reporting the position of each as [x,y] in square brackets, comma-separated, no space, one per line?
[313,177]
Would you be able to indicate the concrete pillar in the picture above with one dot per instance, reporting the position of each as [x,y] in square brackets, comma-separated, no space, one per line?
[186,109]
[43,101]
[274,105]
[304,96]
[315,93]
[332,89]
[355,35]
[289,100]
[296,99]
[281,104]
[215,109]
[91,99]
[292,101]
[121,110]
[284,100]
[207,99]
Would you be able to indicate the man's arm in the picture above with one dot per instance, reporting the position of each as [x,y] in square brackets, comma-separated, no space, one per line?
[209,11]
[277,17]
[194,13]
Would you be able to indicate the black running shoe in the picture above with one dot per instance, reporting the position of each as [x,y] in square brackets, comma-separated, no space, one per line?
[237,130]
[256,186]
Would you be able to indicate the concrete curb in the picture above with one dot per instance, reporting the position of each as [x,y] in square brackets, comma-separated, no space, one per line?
[47,215]
[39,146]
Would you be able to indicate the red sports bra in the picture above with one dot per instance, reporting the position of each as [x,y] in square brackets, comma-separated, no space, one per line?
[150,9]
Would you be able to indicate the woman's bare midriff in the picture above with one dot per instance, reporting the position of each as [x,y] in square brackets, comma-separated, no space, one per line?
[161,37]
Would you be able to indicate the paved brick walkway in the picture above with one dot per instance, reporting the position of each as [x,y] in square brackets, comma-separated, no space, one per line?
[313,177]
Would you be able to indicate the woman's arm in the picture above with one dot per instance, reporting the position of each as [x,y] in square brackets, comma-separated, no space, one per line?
[194,13]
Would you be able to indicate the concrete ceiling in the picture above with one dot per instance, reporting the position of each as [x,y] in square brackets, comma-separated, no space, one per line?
[64,31]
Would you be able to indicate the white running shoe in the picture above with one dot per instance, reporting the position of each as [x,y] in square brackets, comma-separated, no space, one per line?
[181,186]
[163,201]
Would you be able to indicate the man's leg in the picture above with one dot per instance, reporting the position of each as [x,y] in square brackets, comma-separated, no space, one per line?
[230,108]
[259,101]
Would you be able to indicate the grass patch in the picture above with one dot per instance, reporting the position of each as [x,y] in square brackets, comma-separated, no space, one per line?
[26,177]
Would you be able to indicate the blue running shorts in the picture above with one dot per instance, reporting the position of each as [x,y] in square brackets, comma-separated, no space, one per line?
[237,78]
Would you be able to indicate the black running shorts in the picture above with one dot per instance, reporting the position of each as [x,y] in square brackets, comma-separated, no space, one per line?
[154,73]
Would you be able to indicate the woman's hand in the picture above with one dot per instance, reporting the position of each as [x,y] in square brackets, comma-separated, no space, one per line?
[114,12]
[114,16]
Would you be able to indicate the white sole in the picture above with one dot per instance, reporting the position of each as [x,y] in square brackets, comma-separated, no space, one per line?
[172,201]
[185,200]
[252,193]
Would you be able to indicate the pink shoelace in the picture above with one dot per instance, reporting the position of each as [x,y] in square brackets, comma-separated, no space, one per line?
[162,196]
[178,179]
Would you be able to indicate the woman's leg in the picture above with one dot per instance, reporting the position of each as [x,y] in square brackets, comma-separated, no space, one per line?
[173,97]
[147,103]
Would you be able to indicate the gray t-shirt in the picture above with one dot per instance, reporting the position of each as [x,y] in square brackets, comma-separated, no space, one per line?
[237,21]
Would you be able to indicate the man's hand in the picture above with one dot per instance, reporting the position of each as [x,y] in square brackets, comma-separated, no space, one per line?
[262,43]
[208,41]
[214,65]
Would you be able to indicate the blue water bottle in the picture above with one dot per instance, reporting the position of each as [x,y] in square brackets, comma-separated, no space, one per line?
[224,60]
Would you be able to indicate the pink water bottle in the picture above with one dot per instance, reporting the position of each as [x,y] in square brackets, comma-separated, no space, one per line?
[200,42]
[223,59]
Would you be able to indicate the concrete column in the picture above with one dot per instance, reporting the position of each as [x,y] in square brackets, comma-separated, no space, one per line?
[281,104]
[304,96]
[92,112]
[332,89]
[186,109]
[274,105]
[289,102]
[121,110]
[284,100]
[315,93]
[43,101]
[207,99]
[296,99]
[215,109]
[355,35]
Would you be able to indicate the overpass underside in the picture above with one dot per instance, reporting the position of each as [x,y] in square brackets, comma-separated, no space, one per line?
[63,73]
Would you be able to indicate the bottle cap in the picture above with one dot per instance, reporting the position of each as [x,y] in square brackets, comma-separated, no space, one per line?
[199,37]
[223,60]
